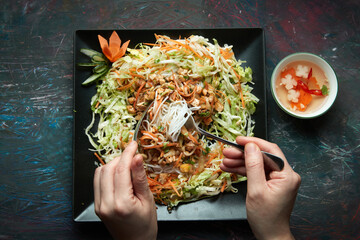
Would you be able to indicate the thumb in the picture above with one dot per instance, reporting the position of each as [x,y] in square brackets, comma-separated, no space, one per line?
[254,164]
[139,179]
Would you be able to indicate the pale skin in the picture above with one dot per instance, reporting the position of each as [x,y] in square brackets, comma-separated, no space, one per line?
[123,199]
[125,204]
[270,196]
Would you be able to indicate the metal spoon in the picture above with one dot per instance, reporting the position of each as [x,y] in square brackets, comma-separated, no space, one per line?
[273,162]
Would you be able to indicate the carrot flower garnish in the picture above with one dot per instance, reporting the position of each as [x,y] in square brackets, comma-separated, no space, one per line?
[113,50]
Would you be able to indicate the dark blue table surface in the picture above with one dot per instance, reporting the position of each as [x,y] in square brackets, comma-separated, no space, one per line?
[36,110]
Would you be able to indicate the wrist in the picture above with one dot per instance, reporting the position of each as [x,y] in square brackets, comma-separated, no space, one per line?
[281,236]
[276,232]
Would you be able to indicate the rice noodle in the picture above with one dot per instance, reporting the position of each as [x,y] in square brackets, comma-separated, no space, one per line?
[172,117]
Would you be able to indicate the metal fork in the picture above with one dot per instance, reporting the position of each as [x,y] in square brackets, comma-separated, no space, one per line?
[273,162]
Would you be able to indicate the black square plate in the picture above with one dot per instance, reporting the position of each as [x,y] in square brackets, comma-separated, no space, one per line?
[248,45]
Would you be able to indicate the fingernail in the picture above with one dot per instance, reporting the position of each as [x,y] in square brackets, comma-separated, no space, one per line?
[138,161]
[251,148]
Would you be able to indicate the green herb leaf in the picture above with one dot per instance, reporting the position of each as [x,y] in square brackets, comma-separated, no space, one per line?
[204,114]
[189,161]
[324,90]
[207,150]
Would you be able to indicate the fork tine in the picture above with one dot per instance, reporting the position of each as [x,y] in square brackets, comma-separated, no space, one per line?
[138,125]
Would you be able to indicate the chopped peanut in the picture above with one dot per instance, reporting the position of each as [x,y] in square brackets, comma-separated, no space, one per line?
[218,106]
[186,167]
[131,109]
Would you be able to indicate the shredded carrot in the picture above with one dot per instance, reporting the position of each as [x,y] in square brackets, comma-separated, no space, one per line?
[152,44]
[150,133]
[223,94]
[186,46]
[192,138]
[99,158]
[135,69]
[221,146]
[158,197]
[178,160]
[173,186]
[199,64]
[180,91]
[136,75]
[236,74]
[162,69]
[212,156]
[138,93]
[241,93]
[242,98]
[189,81]
[217,171]
[226,53]
[158,102]
[160,146]
[223,186]
[144,137]
[234,177]
[177,48]
[191,49]
[192,99]
[97,104]
[143,141]
[126,86]
[209,57]
[153,181]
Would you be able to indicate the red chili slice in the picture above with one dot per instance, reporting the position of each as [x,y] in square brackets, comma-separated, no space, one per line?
[306,89]
[310,74]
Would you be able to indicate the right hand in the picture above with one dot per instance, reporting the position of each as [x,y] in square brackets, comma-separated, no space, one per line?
[270,197]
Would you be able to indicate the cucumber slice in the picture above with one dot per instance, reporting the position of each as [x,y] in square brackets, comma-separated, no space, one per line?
[98,58]
[92,78]
[89,52]
[87,64]
[100,68]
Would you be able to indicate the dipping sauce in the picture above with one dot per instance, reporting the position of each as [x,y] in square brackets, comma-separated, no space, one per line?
[302,87]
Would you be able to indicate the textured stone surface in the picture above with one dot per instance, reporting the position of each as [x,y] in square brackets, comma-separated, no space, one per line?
[36,111]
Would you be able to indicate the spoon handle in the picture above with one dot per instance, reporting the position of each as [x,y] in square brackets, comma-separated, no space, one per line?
[274,162]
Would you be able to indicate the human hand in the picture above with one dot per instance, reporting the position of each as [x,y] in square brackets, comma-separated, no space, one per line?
[270,196]
[123,200]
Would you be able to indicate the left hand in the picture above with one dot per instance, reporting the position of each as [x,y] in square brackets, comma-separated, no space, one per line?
[123,200]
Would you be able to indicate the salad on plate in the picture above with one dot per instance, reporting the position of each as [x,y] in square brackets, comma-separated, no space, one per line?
[181,77]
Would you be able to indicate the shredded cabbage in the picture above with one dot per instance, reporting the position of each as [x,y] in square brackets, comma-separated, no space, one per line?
[197,58]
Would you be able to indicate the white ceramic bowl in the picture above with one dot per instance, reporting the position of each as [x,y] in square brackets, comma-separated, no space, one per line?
[329,73]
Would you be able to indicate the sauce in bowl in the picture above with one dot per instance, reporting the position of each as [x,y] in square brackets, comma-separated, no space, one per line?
[302,87]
